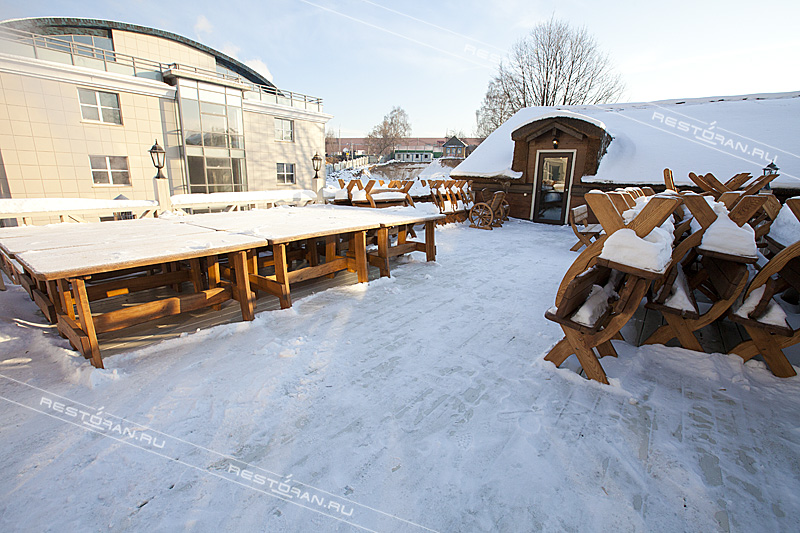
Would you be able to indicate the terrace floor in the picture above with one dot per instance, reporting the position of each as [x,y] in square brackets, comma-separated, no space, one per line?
[416,403]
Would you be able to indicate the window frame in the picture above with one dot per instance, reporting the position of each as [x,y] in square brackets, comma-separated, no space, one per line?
[285,174]
[110,172]
[282,129]
[99,107]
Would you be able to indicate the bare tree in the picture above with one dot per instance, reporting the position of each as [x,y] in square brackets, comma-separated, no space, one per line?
[332,144]
[449,133]
[555,64]
[385,136]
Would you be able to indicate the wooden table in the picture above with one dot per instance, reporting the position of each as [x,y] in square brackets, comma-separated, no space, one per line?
[283,226]
[64,271]
[58,260]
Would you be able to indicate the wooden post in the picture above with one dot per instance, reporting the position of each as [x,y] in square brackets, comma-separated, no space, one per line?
[430,244]
[87,323]
[330,250]
[212,269]
[383,251]
[195,274]
[360,241]
[281,274]
[245,296]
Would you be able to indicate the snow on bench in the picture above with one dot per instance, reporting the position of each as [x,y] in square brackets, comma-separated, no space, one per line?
[652,253]
[30,207]
[785,230]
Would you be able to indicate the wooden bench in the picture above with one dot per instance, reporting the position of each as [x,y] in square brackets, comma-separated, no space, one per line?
[579,216]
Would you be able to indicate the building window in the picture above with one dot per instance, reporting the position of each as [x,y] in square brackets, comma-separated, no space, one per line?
[286,173]
[109,170]
[284,130]
[100,106]
[94,46]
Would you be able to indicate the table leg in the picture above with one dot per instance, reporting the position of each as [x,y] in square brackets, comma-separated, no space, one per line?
[430,244]
[383,251]
[238,261]
[195,274]
[281,274]
[212,271]
[86,321]
[330,250]
[67,302]
[360,240]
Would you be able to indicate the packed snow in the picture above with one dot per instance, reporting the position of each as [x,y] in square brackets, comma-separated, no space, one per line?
[419,402]
[652,253]
[785,229]
[725,236]
[774,314]
[21,206]
[721,135]
[277,196]
[679,293]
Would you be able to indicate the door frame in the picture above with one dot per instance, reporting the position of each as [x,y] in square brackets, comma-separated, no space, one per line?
[568,185]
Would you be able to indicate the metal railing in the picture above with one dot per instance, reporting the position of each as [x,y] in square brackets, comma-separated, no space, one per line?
[51,48]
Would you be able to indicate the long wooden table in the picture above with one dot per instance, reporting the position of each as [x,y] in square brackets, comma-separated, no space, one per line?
[57,261]
[309,225]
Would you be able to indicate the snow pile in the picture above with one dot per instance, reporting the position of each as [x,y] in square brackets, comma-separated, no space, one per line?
[679,296]
[38,205]
[435,171]
[690,135]
[276,196]
[597,303]
[361,195]
[724,236]
[774,314]
[652,253]
[785,229]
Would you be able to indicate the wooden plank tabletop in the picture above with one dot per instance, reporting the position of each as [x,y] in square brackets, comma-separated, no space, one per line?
[147,250]
[20,239]
[287,224]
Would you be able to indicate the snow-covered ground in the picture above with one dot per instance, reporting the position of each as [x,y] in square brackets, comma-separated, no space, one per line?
[416,403]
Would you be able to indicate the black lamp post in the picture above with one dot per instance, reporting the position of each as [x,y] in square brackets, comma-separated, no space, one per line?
[157,154]
[772,168]
[317,161]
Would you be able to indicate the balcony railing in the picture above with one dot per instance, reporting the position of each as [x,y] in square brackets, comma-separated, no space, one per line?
[51,48]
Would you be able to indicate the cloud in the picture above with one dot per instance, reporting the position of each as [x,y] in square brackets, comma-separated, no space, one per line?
[203,25]
[260,67]
[231,50]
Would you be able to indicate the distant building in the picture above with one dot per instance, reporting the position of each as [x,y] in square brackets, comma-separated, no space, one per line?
[547,158]
[83,100]
[454,147]
[417,154]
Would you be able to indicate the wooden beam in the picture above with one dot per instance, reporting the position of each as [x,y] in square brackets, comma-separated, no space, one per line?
[360,242]
[140,283]
[281,274]
[430,241]
[242,289]
[138,314]
[86,321]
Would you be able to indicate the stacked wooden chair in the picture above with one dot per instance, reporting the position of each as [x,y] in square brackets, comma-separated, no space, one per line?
[591,281]
[761,314]
[374,194]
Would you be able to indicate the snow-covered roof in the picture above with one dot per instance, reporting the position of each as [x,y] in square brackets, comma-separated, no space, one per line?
[721,135]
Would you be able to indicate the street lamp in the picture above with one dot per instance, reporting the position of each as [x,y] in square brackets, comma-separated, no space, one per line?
[317,161]
[157,154]
[772,168]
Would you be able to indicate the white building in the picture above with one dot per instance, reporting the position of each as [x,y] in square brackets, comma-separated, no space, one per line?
[82,101]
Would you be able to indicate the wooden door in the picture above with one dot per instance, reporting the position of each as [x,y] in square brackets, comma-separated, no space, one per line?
[553,181]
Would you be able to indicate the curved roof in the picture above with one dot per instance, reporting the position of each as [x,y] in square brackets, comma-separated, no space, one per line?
[37,24]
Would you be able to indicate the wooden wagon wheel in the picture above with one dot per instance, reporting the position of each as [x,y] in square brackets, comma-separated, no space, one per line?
[481,215]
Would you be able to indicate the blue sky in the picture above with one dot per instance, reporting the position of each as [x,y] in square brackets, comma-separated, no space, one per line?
[435,58]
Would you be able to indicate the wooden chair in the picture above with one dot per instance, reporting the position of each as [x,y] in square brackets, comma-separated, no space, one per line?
[369,196]
[669,181]
[579,216]
[488,215]
[761,314]
[588,271]
[721,277]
